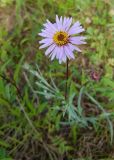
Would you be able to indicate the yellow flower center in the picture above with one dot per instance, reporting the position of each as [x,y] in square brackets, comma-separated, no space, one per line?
[61,38]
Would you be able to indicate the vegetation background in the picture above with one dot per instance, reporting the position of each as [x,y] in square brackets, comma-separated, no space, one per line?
[36,122]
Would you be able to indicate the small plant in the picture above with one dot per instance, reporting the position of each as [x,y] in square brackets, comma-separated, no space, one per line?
[75,113]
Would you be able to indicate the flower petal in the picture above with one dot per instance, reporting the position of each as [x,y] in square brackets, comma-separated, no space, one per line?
[69,52]
[76,28]
[53,54]
[49,31]
[51,26]
[61,52]
[46,40]
[68,24]
[58,52]
[76,31]
[59,22]
[73,47]
[50,49]
[77,40]
[46,35]
[45,45]
[63,59]
[64,23]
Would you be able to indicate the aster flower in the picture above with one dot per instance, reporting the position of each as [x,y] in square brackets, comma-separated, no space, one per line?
[60,38]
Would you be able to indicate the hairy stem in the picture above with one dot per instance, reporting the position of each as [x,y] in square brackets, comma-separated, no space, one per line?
[66,88]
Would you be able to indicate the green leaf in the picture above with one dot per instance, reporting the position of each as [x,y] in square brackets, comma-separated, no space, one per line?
[4,144]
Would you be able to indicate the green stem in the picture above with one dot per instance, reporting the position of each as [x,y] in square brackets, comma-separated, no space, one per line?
[66,88]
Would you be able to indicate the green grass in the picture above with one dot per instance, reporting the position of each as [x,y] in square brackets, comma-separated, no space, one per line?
[36,122]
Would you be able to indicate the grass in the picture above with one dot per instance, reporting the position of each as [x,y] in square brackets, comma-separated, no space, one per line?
[36,122]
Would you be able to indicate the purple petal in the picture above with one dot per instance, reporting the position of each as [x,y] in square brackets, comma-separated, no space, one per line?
[69,52]
[61,52]
[48,32]
[46,40]
[49,29]
[63,59]
[75,25]
[76,28]
[68,24]
[50,49]
[73,47]
[57,52]
[61,20]
[77,40]
[51,26]
[59,23]
[76,31]
[53,54]
[45,45]
[45,35]
[55,24]
[66,53]
[64,23]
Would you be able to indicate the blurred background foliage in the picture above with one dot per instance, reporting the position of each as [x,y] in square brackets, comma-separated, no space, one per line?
[36,123]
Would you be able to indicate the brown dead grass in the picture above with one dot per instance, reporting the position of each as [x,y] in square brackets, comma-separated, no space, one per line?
[7,17]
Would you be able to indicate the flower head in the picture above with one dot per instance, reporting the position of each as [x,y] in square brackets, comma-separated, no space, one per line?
[95,76]
[60,38]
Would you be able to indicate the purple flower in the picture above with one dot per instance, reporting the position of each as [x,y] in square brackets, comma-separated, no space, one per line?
[60,38]
[95,76]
